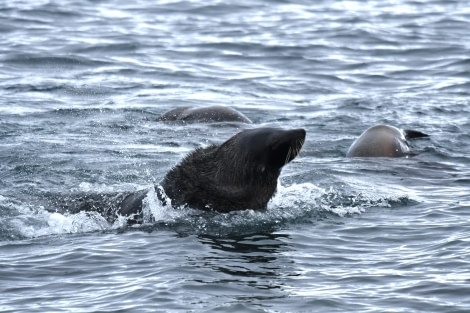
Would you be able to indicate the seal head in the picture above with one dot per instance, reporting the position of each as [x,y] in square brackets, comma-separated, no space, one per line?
[239,174]
[383,141]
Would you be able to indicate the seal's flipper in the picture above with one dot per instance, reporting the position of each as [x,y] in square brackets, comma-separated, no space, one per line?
[410,134]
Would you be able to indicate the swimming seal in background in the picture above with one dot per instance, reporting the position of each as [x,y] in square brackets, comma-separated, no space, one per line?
[383,141]
[239,174]
[208,114]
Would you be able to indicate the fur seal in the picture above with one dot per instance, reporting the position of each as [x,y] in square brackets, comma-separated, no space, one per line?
[208,114]
[239,174]
[383,141]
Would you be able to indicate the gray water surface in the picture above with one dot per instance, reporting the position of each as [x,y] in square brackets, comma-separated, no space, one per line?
[82,82]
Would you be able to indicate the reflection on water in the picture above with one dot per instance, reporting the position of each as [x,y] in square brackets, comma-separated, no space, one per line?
[254,260]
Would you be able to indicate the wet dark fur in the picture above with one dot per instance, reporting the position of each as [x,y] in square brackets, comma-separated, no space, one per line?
[239,174]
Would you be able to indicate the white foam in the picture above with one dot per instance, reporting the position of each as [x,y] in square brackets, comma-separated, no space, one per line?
[95,188]
[299,198]
[36,223]
[295,195]
[155,210]
[19,110]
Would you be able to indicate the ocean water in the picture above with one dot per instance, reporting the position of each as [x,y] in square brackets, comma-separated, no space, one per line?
[82,82]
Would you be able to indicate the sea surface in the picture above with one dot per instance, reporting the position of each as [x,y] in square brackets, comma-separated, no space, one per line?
[83,82]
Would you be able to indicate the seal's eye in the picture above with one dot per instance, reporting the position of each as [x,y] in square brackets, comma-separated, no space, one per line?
[279,154]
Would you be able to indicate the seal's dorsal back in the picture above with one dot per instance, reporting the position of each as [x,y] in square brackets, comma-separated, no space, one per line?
[208,114]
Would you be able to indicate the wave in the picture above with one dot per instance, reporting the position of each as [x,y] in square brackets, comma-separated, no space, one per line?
[302,203]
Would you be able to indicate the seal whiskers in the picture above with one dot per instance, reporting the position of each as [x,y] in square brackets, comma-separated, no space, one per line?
[288,156]
[294,150]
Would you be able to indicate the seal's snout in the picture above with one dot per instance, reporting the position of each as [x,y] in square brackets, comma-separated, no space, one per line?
[286,146]
[299,134]
[291,137]
[300,131]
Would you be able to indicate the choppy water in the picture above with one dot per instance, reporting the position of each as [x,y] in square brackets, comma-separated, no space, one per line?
[81,83]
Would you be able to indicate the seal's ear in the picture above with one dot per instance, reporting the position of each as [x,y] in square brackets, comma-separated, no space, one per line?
[409,134]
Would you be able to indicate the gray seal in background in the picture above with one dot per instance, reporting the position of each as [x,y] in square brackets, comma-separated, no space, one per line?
[383,141]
